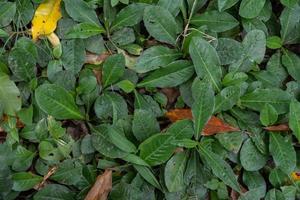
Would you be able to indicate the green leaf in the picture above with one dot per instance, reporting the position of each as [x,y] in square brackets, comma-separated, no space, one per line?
[233,78]
[292,63]
[7,10]
[84,30]
[215,21]
[294,118]
[206,61]
[111,105]
[160,24]
[274,194]
[68,172]
[80,11]
[203,107]
[120,140]
[157,149]
[251,8]
[54,191]
[24,181]
[102,142]
[274,42]
[289,26]
[73,56]
[229,50]
[10,99]
[283,152]
[231,141]
[254,45]
[251,158]
[289,3]
[56,101]
[268,115]
[3,34]
[22,59]
[144,124]
[255,182]
[257,99]
[23,159]
[172,75]
[174,172]
[227,98]
[129,16]
[146,173]
[113,69]
[134,159]
[154,58]
[172,6]
[220,168]
[126,85]
[225,4]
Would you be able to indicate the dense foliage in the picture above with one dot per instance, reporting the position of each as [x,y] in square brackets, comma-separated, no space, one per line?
[95,96]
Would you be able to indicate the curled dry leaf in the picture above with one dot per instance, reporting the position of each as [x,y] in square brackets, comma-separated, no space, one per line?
[46,177]
[214,125]
[280,127]
[45,18]
[101,187]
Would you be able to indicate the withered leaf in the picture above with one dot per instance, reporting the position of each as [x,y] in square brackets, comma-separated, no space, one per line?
[101,187]
[280,127]
[214,125]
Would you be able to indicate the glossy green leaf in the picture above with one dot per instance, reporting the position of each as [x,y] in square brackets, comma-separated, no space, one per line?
[80,11]
[24,181]
[160,24]
[174,172]
[268,115]
[56,101]
[291,62]
[294,118]
[144,124]
[283,152]
[257,99]
[206,61]
[7,10]
[215,21]
[220,168]
[54,191]
[113,69]
[171,75]
[9,95]
[251,158]
[155,57]
[251,8]
[84,30]
[203,107]
[129,16]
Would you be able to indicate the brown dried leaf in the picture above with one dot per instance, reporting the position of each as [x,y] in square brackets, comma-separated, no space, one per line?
[46,177]
[95,59]
[214,125]
[101,187]
[280,127]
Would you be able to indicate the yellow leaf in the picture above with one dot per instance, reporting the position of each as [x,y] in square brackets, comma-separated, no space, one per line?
[295,176]
[45,18]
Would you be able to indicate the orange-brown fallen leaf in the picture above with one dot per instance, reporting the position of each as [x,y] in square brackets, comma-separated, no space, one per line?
[213,126]
[101,187]
[280,127]
[46,177]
